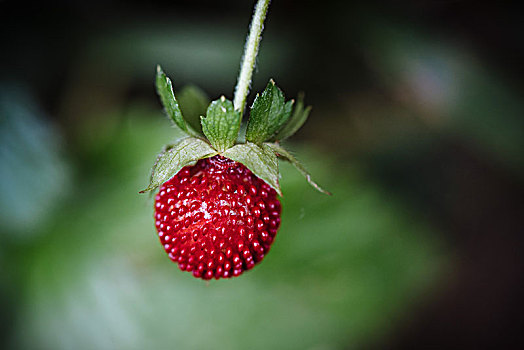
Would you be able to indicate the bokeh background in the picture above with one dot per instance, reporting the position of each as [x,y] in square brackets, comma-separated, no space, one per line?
[417,129]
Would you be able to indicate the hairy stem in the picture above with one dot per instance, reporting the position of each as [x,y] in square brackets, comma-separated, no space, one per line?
[250,55]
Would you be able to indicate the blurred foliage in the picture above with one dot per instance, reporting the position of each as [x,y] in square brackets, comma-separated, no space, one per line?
[448,89]
[343,268]
[33,173]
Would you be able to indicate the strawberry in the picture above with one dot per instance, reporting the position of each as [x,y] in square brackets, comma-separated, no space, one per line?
[217,211]
[216,218]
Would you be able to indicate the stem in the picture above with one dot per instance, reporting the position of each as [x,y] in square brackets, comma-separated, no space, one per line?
[250,55]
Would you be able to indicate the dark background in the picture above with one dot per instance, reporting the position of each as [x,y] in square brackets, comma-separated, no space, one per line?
[418,103]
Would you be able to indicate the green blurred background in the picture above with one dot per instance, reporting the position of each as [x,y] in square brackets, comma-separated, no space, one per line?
[417,129]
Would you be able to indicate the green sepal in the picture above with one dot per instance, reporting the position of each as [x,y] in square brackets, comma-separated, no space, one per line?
[268,114]
[164,88]
[158,157]
[260,159]
[184,153]
[298,118]
[193,103]
[221,124]
[289,157]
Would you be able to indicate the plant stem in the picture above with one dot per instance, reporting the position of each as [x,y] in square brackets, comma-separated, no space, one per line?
[250,55]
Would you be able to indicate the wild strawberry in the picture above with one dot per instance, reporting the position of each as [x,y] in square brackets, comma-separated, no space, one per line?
[217,211]
[216,219]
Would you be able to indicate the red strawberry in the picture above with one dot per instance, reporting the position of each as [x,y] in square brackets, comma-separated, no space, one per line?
[217,211]
[216,219]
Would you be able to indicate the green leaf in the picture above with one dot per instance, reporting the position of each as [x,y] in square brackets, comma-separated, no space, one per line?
[193,103]
[164,89]
[268,114]
[158,157]
[221,124]
[289,157]
[186,152]
[260,159]
[296,121]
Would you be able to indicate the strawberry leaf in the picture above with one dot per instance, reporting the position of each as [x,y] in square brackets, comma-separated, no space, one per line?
[298,118]
[221,124]
[268,114]
[186,152]
[164,89]
[193,103]
[260,159]
[289,157]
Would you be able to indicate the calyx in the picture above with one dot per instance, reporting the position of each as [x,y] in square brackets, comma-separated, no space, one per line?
[271,120]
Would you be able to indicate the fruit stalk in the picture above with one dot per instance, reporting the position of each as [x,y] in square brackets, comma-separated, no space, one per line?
[250,55]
